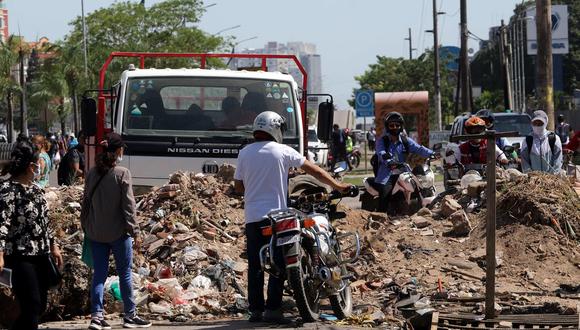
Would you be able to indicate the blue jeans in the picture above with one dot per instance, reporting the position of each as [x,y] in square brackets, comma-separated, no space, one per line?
[123,252]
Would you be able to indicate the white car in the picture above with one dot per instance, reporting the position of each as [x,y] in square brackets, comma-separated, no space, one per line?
[317,150]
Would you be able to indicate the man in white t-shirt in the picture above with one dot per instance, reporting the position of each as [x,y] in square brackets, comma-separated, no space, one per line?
[262,176]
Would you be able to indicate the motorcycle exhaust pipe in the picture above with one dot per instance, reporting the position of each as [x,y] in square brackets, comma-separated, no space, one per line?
[324,274]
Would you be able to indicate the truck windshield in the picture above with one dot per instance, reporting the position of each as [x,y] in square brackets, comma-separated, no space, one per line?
[520,123]
[204,106]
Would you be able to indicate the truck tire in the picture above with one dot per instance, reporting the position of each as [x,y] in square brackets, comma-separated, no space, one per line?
[308,307]
[301,182]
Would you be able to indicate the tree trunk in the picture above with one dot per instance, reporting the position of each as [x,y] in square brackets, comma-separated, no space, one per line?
[9,118]
[74,109]
[545,89]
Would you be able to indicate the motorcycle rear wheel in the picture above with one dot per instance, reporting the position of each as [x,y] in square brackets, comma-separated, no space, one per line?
[354,161]
[307,301]
[342,302]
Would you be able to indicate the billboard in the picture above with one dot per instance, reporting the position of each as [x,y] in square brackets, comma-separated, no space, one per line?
[560,43]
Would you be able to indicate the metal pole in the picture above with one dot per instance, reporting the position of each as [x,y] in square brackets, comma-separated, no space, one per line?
[523,45]
[437,82]
[490,229]
[367,143]
[545,89]
[85,39]
[514,65]
[464,61]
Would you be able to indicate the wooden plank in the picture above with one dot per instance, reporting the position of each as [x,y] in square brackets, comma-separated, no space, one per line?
[434,320]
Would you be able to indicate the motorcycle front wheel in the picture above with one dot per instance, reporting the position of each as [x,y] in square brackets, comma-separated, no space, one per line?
[305,288]
[354,161]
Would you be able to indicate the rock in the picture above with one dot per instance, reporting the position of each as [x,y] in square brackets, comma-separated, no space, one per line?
[474,189]
[378,316]
[208,192]
[378,216]
[211,252]
[211,180]
[425,212]
[420,222]
[226,172]
[209,234]
[461,223]
[449,206]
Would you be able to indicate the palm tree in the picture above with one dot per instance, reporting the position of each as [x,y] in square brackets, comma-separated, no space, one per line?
[51,90]
[8,85]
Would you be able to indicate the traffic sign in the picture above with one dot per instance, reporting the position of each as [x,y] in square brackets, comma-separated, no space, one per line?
[364,103]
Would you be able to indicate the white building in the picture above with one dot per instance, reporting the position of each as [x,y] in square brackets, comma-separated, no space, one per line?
[306,54]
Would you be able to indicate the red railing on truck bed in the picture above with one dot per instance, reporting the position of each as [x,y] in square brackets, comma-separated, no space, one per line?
[203,58]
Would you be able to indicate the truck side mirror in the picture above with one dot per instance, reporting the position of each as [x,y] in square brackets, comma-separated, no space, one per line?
[89,116]
[325,119]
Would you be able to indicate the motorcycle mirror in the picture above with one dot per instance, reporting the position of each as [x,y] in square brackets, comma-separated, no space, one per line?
[340,167]
[516,145]
[437,147]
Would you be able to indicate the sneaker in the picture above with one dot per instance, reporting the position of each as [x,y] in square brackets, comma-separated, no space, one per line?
[135,322]
[276,317]
[255,317]
[97,324]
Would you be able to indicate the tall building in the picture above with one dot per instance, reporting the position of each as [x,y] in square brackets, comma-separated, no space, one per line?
[3,21]
[306,54]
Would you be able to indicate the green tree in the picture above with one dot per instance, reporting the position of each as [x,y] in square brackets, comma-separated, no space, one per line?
[9,87]
[169,26]
[50,92]
[399,74]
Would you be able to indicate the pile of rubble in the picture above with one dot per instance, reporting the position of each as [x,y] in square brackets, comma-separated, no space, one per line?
[435,259]
[189,261]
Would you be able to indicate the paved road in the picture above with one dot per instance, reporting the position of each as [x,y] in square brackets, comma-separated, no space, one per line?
[209,325]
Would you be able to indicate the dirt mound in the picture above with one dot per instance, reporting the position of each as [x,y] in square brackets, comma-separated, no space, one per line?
[540,198]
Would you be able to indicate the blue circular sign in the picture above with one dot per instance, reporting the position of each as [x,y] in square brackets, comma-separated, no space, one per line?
[363,99]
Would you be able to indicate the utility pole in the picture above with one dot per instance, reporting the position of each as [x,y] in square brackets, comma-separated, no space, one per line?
[437,78]
[9,118]
[464,62]
[85,39]
[545,89]
[504,49]
[23,110]
[411,49]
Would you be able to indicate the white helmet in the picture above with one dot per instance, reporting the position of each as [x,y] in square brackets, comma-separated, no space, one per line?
[271,123]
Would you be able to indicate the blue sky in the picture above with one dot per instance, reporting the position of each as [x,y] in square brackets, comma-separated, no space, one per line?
[348,33]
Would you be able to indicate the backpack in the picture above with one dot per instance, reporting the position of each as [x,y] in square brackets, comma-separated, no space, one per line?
[387,143]
[551,142]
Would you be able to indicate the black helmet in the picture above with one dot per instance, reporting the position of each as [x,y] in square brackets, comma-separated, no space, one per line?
[487,116]
[394,117]
[560,117]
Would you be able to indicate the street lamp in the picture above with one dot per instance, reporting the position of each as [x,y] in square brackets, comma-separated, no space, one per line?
[226,29]
[237,43]
[210,5]
[85,39]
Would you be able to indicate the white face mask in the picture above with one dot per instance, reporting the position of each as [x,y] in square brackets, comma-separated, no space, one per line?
[539,130]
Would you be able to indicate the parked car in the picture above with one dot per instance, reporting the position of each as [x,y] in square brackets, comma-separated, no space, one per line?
[317,150]
[3,138]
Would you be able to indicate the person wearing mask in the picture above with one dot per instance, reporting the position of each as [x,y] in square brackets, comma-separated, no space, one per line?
[474,151]
[489,119]
[108,220]
[541,151]
[262,177]
[44,160]
[26,243]
[72,164]
[394,147]
[563,130]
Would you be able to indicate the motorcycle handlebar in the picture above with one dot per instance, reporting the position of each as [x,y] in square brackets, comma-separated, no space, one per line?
[335,194]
